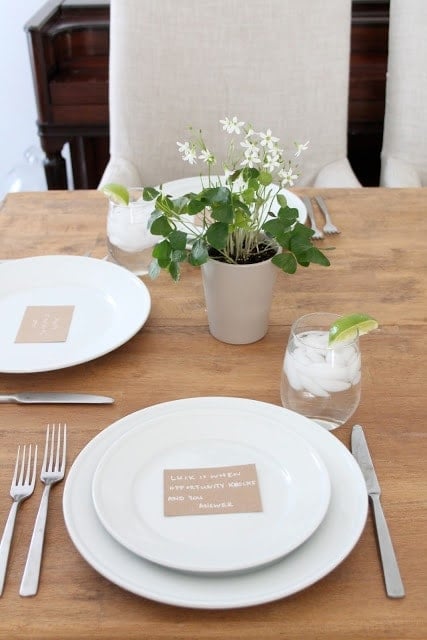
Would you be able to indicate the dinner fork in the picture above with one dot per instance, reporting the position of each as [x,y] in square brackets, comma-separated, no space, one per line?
[317,235]
[22,487]
[53,469]
[329,227]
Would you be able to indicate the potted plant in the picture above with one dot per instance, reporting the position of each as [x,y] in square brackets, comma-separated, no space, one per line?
[238,228]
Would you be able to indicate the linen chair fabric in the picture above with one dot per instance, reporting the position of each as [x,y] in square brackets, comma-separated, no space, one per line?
[278,64]
[404,150]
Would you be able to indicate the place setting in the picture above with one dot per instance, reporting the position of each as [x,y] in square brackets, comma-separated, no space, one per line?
[227,502]
[214,502]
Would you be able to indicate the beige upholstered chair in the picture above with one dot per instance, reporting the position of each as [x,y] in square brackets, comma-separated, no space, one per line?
[404,152]
[278,64]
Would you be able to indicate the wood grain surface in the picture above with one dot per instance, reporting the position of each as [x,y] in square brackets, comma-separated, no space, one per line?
[379,267]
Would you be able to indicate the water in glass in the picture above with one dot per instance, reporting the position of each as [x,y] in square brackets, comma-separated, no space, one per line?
[129,241]
[318,381]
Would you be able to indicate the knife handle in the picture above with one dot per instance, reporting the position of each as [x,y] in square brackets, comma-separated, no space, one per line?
[393,581]
[7,398]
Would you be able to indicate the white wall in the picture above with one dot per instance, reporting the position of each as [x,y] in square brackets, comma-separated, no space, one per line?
[18,114]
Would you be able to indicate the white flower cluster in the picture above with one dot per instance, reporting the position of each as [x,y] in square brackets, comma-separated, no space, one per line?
[261,151]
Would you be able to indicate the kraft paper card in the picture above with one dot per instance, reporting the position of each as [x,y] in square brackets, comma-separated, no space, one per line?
[45,324]
[211,490]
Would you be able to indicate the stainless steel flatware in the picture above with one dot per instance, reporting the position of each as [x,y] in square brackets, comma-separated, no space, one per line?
[317,235]
[53,470]
[329,227]
[24,479]
[55,398]
[393,581]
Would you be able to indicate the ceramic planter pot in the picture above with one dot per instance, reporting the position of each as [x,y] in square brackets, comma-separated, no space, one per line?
[238,299]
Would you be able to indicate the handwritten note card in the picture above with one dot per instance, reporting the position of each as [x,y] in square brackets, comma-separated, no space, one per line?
[211,490]
[45,324]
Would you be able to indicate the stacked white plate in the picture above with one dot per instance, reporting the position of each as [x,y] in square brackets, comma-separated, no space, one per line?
[313,496]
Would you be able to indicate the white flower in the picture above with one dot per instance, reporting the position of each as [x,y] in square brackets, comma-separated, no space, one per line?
[301,148]
[288,177]
[249,146]
[188,152]
[232,126]
[207,156]
[183,147]
[271,162]
[190,156]
[267,139]
[251,158]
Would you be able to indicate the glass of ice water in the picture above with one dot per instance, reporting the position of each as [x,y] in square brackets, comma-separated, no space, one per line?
[129,241]
[318,381]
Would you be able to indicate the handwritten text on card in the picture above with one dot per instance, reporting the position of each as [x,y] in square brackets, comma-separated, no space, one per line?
[232,489]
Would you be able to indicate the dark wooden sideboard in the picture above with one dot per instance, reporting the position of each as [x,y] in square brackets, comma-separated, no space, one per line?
[69,42]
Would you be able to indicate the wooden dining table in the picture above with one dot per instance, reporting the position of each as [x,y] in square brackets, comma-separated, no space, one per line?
[379,267]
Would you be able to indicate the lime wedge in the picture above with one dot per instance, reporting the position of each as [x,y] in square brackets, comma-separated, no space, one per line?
[349,327]
[116,192]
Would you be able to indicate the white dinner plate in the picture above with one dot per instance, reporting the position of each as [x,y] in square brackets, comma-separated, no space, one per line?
[329,545]
[293,483]
[177,188]
[110,305]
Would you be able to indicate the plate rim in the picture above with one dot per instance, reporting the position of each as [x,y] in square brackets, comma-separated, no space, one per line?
[138,321]
[102,475]
[160,584]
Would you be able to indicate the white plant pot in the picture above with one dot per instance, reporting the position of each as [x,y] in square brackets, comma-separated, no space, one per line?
[238,299]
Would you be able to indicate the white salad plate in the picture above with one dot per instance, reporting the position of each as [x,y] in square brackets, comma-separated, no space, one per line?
[326,548]
[110,305]
[292,481]
[178,188]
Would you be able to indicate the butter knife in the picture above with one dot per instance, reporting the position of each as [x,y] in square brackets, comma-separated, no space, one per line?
[393,581]
[55,398]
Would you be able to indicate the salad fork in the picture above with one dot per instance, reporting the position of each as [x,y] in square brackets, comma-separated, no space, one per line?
[329,226]
[53,469]
[22,487]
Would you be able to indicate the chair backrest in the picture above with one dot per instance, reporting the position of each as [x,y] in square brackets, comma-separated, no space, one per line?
[279,64]
[404,152]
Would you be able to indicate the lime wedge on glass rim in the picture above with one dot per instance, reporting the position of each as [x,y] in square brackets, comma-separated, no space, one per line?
[347,328]
[116,192]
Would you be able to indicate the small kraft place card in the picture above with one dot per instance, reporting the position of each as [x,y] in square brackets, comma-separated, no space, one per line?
[45,324]
[211,490]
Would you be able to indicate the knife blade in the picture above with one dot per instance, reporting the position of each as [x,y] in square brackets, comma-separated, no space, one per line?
[393,581]
[55,398]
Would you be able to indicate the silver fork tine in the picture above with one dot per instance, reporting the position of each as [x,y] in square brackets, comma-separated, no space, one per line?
[53,469]
[329,226]
[19,490]
[60,467]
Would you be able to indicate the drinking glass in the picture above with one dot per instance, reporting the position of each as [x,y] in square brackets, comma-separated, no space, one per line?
[129,241]
[319,381]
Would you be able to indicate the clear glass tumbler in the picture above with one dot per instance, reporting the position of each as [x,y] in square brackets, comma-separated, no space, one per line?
[320,382]
[129,241]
